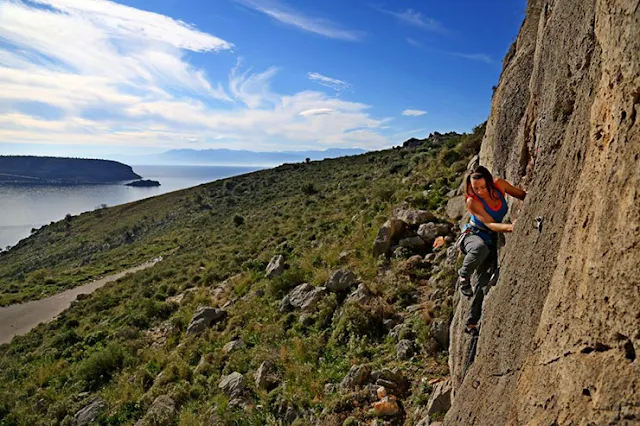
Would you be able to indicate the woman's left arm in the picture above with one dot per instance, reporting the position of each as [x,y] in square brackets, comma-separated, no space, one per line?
[511,190]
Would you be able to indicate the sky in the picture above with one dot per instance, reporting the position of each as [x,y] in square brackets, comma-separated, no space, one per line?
[92,78]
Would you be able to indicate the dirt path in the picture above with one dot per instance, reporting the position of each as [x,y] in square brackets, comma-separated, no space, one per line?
[19,319]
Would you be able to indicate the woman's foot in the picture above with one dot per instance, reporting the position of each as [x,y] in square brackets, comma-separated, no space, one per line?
[465,286]
[471,328]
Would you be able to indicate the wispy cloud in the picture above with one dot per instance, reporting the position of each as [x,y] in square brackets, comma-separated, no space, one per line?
[287,15]
[416,19]
[414,42]
[333,83]
[481,57]
[119,76]
[413,112]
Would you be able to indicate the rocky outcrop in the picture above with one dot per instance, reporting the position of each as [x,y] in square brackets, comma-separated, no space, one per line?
[357,376]
[161,412]
[440,399]
[233,385]
[341,280]
[203,318]
[275,267]
[559,332]
[89,413]
[391,230]
[304,297]
[266,376]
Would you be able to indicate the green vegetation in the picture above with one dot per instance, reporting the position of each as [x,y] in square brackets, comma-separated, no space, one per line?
[127,342]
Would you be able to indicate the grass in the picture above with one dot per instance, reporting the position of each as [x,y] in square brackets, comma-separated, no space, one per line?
[321,216]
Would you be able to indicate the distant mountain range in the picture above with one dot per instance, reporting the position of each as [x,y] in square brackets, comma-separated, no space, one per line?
[221,157]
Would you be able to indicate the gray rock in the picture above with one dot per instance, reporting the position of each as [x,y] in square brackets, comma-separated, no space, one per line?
[404,349]
[88,414]
[440,331]
[440,400]
[413,217]
[391,379]
[357,376]
[204,318]
[473,163]
[341,280]
[285,305]
[452,256]
[412,243]
[428,232]
[266,376]
[361,295]
[233,385]
[456,207]
[443,229]
[161,412]
[306,296]
[401,253]
[391,230]
[452,193]
[276,266]
[233,345]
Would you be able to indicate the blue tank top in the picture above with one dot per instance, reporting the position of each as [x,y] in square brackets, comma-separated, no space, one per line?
[497,215]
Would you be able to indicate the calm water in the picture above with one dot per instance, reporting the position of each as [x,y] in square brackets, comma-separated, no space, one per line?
[26,207]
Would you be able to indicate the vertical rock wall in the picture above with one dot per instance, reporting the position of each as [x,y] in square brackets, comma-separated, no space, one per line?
[561,330]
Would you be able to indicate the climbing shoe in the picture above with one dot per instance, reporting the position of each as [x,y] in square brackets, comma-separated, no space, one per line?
[471,329]
[465,286]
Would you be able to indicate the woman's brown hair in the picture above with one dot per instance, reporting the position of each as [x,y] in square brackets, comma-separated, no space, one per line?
[480,172]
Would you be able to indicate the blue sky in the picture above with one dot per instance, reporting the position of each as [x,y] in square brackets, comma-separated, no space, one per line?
[95,77]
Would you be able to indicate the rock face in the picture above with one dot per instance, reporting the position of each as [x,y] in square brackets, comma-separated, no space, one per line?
[204,318]
[161,412]
[233,385]
[305,297]
[559,333]
[265,376]
[440,399]
[391,230]
[89,413]
[275,267]
[341,280]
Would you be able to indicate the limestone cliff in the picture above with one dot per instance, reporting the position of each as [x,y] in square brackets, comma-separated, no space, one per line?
[561,329]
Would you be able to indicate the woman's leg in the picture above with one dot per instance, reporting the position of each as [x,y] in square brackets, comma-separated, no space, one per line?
[476,251]
[483,275]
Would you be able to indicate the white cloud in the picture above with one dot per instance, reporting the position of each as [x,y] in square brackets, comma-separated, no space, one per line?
[481,57]
[285,14]
[413,112]
[119,76]
[414,42]
[416,19]
[332,83]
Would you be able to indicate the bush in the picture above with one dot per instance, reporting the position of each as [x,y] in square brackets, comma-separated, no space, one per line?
[286,282]
[309,189]
[100,366]
[238,220]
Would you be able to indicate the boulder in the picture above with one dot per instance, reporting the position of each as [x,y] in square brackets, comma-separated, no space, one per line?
[391,379]
[161,412]
[387,407]
[285,305]
[341,280]
[361,295]
[233,345]
[440,331]
[413,217]
[357,376]
[401,253]
[456,207]
[305,297]
[440,400]
[203,318]
[428,232]
[443,229]
[404,349]
[233,385]
[412,243]
[265,376]
[276,266]
[88,414]
[390,231]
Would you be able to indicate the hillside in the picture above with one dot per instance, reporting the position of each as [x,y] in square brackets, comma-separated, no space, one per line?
[62,171]
[560,332]
[140,346]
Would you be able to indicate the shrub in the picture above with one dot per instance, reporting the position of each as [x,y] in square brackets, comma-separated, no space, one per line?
[309,189]
[238,220]
[100,366]
[284,283]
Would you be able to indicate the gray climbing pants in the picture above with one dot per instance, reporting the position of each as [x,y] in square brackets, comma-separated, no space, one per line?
[477,265]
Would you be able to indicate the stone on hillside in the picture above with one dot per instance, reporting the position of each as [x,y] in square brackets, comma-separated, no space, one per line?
[285,305]
[233,384]
[306,296]
[412,243]
[361,295]
[161,412]
[456,207]
[204,318]
[341,280]
[428,232]
[473,163]
[233,345]
[413,217]
[391,379]
[440,400]
[404,349]
[357,376]
[88,414]
[266,376]
[391,230]
[443,229]
[387,407]
[440,331]
[276,266]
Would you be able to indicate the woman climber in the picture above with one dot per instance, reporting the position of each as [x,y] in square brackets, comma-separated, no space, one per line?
[486,202]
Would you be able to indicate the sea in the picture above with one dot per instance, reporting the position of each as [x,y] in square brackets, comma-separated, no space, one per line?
[25,207]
